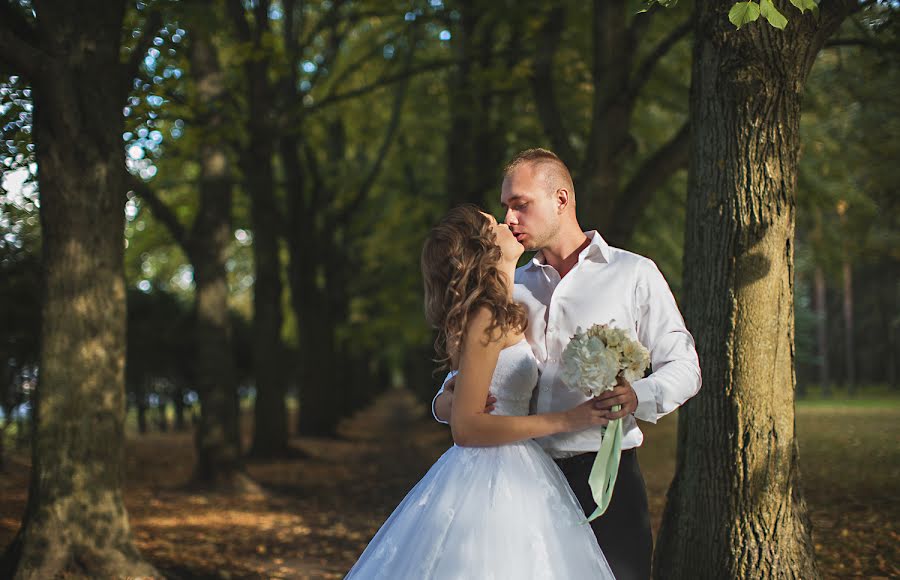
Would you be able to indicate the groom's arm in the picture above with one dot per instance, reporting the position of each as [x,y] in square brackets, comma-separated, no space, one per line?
[442,403]
[673,357]
[443,400]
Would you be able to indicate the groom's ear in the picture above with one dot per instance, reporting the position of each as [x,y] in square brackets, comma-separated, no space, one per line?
[562,198]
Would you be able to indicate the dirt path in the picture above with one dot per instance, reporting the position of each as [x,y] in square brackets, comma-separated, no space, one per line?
[318,512]
[315,517]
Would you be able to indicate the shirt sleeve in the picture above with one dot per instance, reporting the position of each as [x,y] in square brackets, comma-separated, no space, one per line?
[673,356]
[440,391]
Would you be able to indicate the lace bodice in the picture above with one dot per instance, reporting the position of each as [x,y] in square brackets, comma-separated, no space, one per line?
[514,379]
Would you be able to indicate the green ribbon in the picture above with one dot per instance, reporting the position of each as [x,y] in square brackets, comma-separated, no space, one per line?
[606,466]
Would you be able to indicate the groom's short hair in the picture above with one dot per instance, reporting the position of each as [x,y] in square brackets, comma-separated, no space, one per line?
[557,176]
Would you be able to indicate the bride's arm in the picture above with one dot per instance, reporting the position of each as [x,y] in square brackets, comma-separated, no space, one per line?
[472,427]
[442,403]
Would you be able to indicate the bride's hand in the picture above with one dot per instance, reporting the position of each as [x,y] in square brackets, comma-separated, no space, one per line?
[584,416]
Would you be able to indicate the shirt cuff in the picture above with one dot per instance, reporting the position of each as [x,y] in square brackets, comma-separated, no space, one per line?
[645,390]
[440,391]
[433,401]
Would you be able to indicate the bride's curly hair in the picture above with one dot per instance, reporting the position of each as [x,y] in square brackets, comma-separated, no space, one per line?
[460,265]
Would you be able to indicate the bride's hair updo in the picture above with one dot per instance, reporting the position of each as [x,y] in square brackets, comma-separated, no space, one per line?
[460,265]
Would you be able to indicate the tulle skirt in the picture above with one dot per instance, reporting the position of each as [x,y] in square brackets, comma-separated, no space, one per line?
[488,513]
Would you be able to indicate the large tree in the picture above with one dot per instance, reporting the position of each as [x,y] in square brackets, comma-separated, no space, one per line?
[616,180]
[270,426]
[206,244]
[735,508]
[327,188]
[75,514]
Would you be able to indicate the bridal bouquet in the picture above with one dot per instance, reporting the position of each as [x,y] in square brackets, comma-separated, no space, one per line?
[591,364]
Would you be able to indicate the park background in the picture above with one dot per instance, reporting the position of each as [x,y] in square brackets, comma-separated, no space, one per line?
[242,189]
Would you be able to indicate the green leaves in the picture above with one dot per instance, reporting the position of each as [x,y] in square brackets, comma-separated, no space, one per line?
[804,5]
[770,13]
[743,13]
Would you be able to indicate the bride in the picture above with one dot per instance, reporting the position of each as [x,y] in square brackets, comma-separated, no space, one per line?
[495,505]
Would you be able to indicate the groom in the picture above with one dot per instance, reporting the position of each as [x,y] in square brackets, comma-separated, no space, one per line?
[577,280]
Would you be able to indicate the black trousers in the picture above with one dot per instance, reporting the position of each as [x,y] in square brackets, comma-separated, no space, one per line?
[623,531]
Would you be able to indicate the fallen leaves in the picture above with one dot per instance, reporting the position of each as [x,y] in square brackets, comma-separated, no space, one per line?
[317,512]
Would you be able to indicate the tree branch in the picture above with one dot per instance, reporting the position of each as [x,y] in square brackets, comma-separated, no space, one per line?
[650,176]
[329,19]
[347,71]
[639,24]
[644,70]
[160,210]
[863,42]
[239,20]
[317,183]
[261,15]
[829,18]
[19,44]
[152,24]
[382,82]
[393,125]
[542,85]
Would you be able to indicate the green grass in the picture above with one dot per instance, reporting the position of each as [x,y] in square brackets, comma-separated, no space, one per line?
[865,396]
[849,473]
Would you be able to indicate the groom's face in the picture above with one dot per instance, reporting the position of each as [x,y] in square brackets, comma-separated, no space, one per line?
[530,209]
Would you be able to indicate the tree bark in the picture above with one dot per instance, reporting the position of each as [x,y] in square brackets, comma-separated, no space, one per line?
[475,140]
[162,422]
[140,401]
[75,515]
[270,428]
[608,201]
[320,394]
[735,508]
[847,311]
[178,403]
[217,438]
[821,310]
[317,234]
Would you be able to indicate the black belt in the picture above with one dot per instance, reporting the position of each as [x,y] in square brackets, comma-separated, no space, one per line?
[590,455]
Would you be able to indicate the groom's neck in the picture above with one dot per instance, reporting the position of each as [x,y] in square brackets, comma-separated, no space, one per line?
[562,255]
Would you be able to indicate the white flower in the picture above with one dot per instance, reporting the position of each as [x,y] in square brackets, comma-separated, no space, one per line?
[592,359]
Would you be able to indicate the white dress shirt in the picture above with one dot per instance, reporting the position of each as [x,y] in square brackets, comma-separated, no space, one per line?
[612,286]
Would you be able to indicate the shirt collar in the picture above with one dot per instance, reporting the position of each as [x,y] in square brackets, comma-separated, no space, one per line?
[597,250]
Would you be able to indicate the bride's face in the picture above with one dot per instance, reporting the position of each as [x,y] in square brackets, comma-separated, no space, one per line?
[510,248]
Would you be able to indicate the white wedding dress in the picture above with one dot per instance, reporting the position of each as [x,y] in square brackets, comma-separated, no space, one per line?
[489,513]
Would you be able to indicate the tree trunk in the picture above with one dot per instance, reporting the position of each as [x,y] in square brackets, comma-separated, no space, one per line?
[7,420]
[178,403]
[317,414]
[602,168]
[270,429]
[821,309]
[162,422]
[847,310]
[463,108]
[140,402]
[606,200]
[75,514]
[219,462]
[321,395]
[735,508]
[474,144]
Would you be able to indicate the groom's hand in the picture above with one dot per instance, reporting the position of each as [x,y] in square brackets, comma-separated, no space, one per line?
[488,403]
[623,395]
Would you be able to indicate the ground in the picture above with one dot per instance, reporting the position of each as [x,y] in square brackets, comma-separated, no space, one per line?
[318,511]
